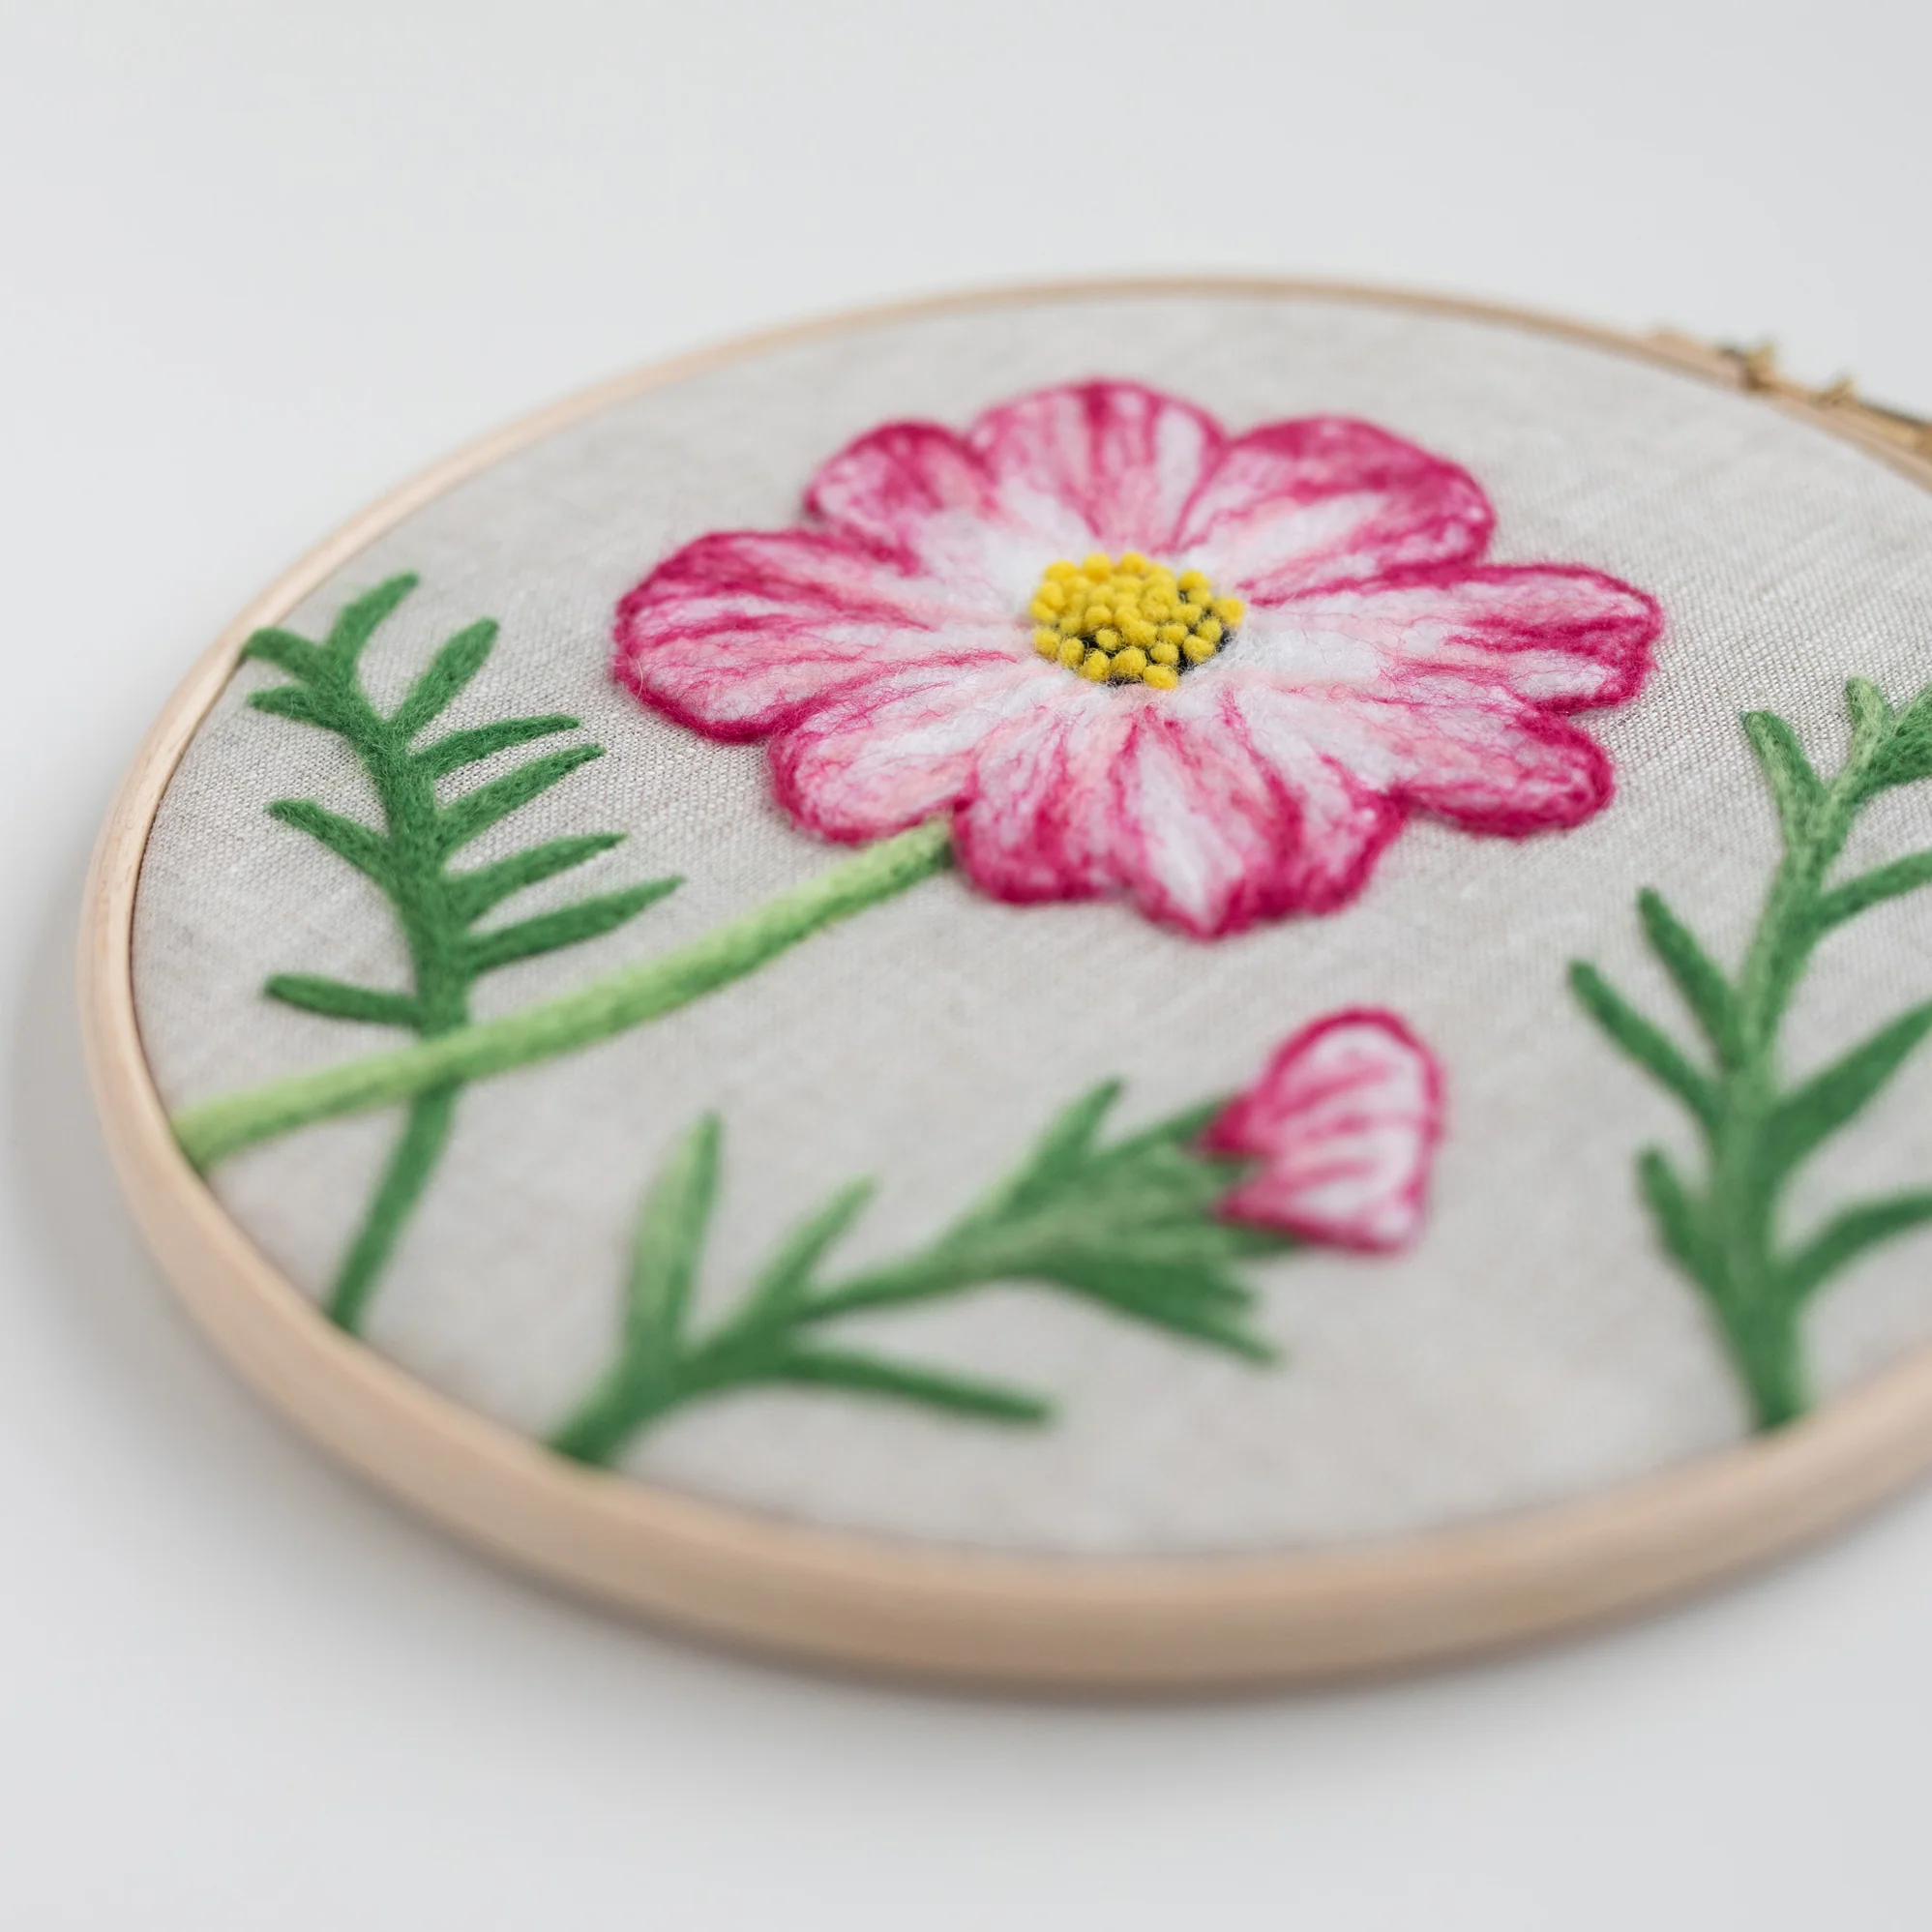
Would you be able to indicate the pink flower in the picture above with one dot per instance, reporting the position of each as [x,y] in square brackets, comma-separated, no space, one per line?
[1343,1122]
[893,652]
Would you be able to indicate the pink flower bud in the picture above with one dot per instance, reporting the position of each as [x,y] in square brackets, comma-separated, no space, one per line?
[1343,1122]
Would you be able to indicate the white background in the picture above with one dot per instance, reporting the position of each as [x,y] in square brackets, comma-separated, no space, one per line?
[255,264]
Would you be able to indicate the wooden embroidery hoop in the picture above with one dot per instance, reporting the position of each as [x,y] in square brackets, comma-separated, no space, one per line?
[875,1605]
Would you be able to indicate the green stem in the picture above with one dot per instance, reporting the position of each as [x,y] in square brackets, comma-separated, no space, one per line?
[217,1128]
[768,1352]
[425,1132]
[1771,1361]
[1746,1288]
[607,1419]
[639,1392]
[749,1348]
[419,889]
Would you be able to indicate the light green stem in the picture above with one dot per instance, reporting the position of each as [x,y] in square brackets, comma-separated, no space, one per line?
[217,1128]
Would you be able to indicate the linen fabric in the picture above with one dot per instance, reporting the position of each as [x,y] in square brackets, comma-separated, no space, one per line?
[1534,1346]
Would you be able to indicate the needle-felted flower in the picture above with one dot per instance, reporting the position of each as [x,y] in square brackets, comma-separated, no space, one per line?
[1344,1124]
[1133,654]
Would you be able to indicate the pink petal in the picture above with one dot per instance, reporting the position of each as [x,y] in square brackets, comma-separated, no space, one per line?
[886,752]
[735,632]
[1490,763]
[1345,1122]
[1168,803]
[916,494]
[1326,500]
[1123,460]
[1557,636]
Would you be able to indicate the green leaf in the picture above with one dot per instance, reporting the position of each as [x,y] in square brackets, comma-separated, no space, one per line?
[1869,708]
[449,672]
[1872,888]
[475,811]
[461,748]
[666,1252]
[1184,1301]
[1135,1227]
[1180,1131]
[300,704]
[283,649]
[1652,1051]
[472,894]
[1705,991]
[1795,786]
[339,1000]
[1871,718]
[1906,756]
[587,919]
[367,850]
[863,1375]
[1847,1236]
[1814,1112]
[357,622]
[1055,1157]
[787,1276]
[1679,1221]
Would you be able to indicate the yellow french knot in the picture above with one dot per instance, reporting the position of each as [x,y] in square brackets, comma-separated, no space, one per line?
[1130,621]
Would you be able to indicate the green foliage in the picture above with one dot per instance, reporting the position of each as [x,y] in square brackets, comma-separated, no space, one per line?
[406,859]
[1724,1233]
[1130,1226]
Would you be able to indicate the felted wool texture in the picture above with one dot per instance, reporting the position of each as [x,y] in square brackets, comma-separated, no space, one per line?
[1535,1346]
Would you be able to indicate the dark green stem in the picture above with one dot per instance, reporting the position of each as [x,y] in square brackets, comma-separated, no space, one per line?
[418,887]
[1769,1356]
[425,1134]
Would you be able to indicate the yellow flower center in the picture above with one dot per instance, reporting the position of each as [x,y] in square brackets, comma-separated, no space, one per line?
[1130,621]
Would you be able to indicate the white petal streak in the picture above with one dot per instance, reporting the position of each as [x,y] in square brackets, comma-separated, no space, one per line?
[886,752]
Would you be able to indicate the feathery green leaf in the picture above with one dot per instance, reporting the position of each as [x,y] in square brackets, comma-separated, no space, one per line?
[1184,1301]
[299,704]
[365,850]
[475,811]
[1871,720]
[669,1244]
[357,622]
[865,1375]
[407,858]
[1812,1113]
[1872,888]
[1055,1157]
[787,1279]
[1705,991]
[337,999]
[1847,1236]
[483,741]
[1795,789]
[285,652]
[587,919]
[474,893]
[1907,755]
[448,672]
[1677,1217]
[1651,1050]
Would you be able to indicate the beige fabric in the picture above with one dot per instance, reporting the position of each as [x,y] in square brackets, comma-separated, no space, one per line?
[1535,1346]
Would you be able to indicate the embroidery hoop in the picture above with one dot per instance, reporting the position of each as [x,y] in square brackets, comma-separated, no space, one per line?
[867,1602]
